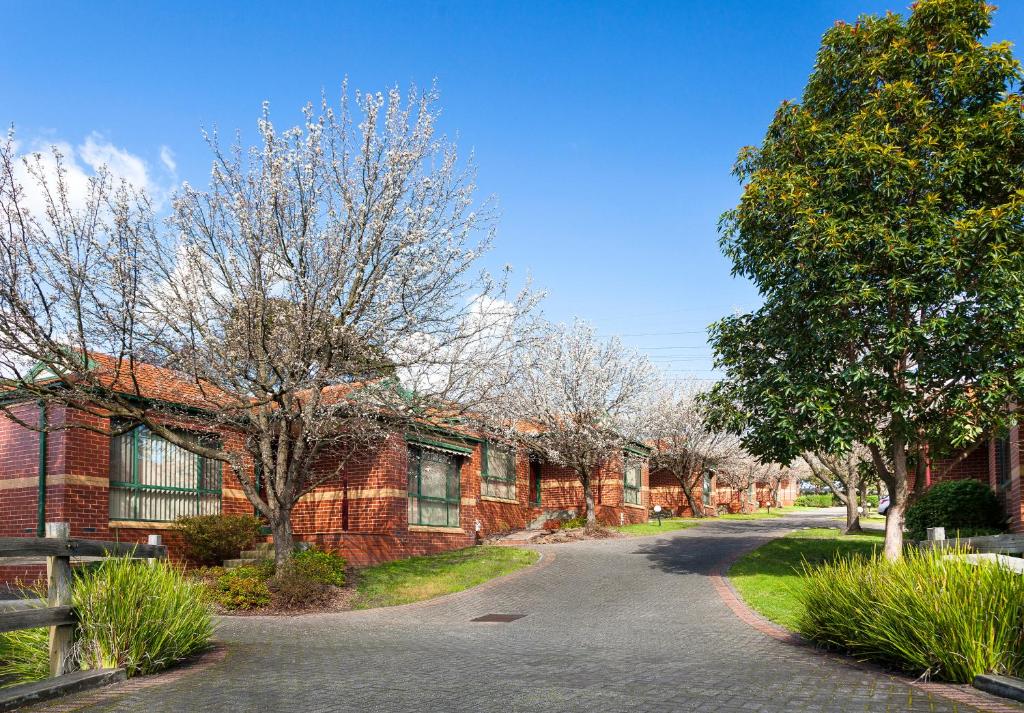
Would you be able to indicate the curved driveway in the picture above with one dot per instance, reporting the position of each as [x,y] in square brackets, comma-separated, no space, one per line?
[613,625]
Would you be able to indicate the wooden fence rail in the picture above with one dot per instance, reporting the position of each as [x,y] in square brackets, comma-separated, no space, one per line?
[59,614]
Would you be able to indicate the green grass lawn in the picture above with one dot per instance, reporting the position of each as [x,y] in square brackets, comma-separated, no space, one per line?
[419,578]
[667,525]
[758,515]
[769,579]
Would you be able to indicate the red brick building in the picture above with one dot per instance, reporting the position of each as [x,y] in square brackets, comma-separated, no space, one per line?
[713,496]
[996,462]
[415,495]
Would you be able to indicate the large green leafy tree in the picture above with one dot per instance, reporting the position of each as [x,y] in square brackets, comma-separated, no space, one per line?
[883,223]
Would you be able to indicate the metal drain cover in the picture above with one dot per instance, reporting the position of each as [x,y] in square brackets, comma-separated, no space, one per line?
[503,618]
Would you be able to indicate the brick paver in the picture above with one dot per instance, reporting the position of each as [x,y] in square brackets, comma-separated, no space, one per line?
[613,625]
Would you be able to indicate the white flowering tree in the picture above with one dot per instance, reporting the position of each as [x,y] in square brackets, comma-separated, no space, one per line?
[742,474]
[578,401]
[321,293]
[683,443]
[844,474]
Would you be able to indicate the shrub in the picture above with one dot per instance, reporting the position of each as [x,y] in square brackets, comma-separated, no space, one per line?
[814,501]
[873,500]
[927,614]
[320,566]
[291,588]
[244,587]
[24,656]
[211,539]
[140,616]
[955,504]
[578,521]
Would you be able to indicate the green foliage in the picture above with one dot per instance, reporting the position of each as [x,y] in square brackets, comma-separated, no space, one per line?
[578,521]
[140,616]
[814,501]
[24,656]
[308,579]
[770,578]
[926,614]
[964,505]
[882,222]
[244,587]
[320,566]
[872,500]
[211,539]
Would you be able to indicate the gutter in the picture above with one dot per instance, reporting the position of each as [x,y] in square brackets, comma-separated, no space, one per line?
[41,509]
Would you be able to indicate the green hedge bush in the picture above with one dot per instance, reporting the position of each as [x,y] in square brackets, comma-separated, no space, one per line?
[814,501]
[211,539]
[965,505]
[927,614]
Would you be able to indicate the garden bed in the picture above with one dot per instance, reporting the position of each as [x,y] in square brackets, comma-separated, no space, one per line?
[247,591]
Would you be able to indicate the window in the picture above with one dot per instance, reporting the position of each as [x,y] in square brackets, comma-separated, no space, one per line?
[631,479]
[499,472]
[154,480]
[433,488]
[706,487]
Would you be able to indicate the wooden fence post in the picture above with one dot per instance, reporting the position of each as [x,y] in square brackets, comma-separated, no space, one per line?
[153,540]
[58,594]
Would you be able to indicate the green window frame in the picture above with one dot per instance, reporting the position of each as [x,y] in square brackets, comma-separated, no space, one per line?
[153,480]
[434,487]
[706,488]
[498,471]
[632,479]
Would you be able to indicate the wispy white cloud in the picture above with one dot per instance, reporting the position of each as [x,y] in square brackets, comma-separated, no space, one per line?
[167,158]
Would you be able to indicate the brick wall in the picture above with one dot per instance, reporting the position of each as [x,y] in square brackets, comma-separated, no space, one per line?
[360,510]
[667,492]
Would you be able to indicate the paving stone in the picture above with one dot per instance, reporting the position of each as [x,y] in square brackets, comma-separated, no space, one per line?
[631,625]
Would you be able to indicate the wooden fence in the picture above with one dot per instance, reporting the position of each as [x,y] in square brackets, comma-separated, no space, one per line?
[59,614]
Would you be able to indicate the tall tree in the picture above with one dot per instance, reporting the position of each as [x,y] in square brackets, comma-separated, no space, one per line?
[882,221]
[579,402]
[683,443]
[320,294]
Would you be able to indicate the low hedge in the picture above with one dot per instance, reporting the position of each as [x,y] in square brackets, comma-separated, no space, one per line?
[927,614]
[965,505]
[814,501]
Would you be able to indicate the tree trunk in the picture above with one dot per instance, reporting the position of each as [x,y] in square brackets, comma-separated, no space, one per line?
[688,492]
[588,499]
[898,493]
[852,516]
[284,542]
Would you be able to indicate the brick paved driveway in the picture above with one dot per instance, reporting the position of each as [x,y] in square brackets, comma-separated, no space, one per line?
[620,625]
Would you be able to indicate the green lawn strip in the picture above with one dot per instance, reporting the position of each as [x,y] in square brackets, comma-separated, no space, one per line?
[652,527]
[769,579]
[759,515]
[418,578]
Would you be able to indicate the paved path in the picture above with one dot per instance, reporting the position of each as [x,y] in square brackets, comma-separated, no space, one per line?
[614,625]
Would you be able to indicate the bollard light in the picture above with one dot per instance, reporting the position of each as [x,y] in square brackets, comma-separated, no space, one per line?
[657,514]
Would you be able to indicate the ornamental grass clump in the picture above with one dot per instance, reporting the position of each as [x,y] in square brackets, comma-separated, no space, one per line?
[24,656]
[140,616]
[932,614]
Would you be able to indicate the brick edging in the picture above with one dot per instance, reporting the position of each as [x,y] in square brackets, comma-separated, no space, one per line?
[106,694]
[730,597]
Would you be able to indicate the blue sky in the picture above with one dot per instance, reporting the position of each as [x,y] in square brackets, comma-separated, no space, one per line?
[606,131]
